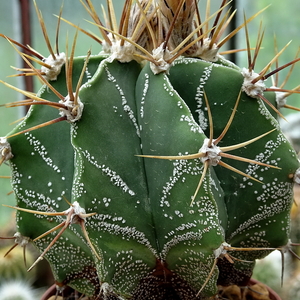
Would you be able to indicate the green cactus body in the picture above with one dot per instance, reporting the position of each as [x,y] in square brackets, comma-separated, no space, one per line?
[136,227]
[172,184]
[43,186]
[239,191]
[253,208]
[106,141]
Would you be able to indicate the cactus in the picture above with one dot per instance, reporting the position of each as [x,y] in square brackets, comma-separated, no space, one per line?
[17,290]
[156,169]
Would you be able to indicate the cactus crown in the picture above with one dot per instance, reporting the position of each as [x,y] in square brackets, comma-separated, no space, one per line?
[125,154]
